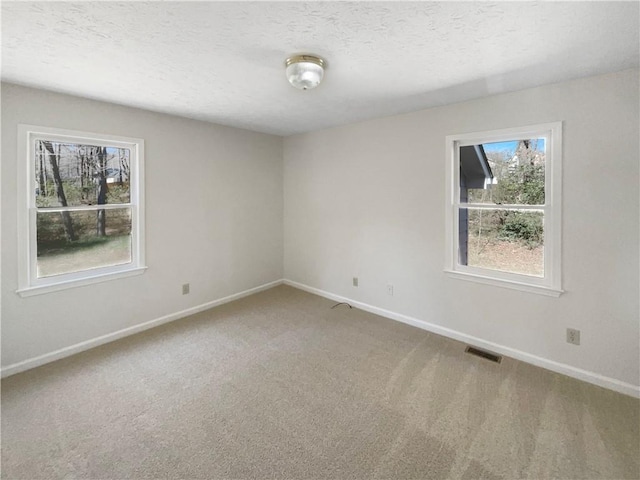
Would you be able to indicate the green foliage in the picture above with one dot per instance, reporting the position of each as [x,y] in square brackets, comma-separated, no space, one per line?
[50,230]
[49,227]
[523,226]
[78,194]
[51,234]
[118,193]
[50,199]
[521,185]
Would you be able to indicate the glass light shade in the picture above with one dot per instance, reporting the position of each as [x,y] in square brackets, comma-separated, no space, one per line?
[304,75]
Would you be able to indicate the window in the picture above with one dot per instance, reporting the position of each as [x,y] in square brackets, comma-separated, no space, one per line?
[503,207]
[81,216]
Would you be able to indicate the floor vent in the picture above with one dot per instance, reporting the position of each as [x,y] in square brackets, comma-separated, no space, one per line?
[484,354]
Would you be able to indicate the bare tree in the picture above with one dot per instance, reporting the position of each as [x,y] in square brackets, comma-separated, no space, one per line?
[54,157]
[41,173]
[102,191]
[83,172]
[125,164]
[120,166]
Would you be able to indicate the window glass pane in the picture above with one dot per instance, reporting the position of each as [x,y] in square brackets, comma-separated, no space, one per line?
[503,172]
[72,174]
[505,240]
[82,240]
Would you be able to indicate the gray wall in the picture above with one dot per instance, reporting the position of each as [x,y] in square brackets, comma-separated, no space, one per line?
[362,200]
[213,218]
[367,200]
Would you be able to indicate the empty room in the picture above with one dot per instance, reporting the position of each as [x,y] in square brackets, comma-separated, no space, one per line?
[330,240]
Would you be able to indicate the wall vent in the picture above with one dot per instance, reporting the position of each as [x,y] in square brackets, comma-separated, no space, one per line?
[484,354]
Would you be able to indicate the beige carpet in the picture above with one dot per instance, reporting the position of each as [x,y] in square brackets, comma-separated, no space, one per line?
[279,385]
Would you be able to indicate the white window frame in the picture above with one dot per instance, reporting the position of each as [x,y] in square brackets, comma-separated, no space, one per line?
[28,281]
[551,283]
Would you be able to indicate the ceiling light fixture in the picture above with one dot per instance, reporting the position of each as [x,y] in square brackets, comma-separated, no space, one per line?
[305,71]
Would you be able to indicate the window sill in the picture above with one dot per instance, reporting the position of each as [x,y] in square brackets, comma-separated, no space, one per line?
[524,287]
[54,287]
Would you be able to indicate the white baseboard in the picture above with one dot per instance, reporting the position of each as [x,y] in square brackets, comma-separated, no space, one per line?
[110,337]
[584,375]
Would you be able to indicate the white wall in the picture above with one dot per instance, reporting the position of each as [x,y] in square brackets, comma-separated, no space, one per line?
[367,200]
[362,200]
[213,218]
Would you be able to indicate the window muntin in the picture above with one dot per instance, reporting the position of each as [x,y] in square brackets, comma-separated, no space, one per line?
[83,216]
[503,209]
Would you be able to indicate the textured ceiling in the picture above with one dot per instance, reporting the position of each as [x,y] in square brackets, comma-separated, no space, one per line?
[224,61]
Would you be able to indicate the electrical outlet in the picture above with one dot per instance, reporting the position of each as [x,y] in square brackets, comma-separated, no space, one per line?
[355,281]
[185,289]
[390,289]
[573,336]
